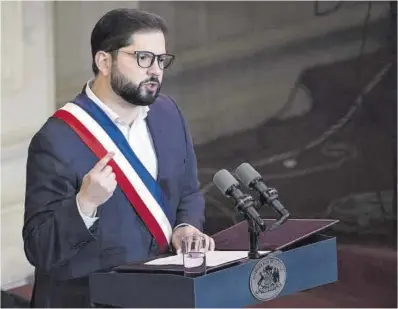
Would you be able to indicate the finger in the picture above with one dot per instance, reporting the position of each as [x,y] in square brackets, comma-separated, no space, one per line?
[206,243]
[107,171]
[212,244]
[188,243]
[104,161]
[198,245]
[177,246]
[111,184]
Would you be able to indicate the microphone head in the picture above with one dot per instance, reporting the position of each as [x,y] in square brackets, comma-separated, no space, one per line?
[246,174]
[224,181]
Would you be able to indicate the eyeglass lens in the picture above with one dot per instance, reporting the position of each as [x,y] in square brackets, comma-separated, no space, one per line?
[146,59]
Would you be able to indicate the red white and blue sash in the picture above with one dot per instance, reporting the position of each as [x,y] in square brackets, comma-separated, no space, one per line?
[101,135]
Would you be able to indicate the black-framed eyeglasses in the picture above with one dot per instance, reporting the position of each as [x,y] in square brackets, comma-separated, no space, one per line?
[145,59]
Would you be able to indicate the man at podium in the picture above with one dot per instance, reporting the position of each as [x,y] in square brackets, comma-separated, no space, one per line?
[112,175]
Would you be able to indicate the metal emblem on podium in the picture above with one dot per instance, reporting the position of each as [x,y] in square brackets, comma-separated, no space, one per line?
[267,278]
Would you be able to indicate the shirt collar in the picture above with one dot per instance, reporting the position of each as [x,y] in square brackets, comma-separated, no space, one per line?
[142,113]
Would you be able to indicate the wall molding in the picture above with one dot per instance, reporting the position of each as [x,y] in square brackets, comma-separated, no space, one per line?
[12,71]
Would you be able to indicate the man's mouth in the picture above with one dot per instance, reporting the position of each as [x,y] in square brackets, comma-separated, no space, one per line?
[152,86]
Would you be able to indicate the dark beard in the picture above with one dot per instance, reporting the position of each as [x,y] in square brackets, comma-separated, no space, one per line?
[130,92]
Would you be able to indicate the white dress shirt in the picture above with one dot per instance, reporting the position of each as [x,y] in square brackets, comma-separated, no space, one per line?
[138,136]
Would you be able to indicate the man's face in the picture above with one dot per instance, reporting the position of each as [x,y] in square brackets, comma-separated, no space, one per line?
[132,76]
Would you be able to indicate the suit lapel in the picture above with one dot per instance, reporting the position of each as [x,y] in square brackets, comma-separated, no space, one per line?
[158,138]
[160,144]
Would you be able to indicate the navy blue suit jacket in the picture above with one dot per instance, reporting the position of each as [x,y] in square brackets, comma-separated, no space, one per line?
[56,239]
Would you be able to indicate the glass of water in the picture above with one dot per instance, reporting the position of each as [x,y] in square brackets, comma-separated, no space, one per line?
[194,255]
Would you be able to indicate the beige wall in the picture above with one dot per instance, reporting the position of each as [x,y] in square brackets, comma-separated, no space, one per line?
[27,99]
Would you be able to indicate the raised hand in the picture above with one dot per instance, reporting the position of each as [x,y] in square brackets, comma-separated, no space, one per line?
[98,186]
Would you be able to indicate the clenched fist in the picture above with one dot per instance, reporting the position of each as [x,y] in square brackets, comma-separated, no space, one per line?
[98,186]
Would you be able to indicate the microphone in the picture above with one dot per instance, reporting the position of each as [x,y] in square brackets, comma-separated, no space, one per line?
[251,179]
[245,204]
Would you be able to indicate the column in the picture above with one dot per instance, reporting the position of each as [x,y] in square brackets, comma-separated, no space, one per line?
[27,100]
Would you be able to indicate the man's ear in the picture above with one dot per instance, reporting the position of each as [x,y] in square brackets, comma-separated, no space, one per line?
[103,61]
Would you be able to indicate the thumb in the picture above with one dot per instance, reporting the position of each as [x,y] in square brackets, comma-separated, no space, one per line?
[177,247]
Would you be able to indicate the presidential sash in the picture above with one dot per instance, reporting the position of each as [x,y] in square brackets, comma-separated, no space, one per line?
[101,135]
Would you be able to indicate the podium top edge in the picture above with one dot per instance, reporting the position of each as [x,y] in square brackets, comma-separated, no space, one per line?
[328,223]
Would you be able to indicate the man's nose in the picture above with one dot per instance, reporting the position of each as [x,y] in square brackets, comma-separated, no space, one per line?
[154,69]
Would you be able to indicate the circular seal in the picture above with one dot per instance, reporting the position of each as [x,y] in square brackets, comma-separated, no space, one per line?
[267,278]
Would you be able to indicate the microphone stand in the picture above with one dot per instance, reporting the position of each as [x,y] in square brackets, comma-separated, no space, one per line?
[255,228]
[245,204]
[254,232]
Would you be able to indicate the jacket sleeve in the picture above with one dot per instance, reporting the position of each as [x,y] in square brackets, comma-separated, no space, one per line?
[191,209]
[53,229]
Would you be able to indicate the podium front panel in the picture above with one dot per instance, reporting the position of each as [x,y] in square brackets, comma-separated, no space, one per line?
[300,269]
[142,290]
[306,266]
